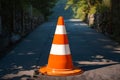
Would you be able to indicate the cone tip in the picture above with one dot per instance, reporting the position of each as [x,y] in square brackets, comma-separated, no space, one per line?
[60,17]
[60,20]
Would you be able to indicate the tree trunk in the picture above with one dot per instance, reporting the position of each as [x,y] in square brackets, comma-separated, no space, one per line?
[115,9]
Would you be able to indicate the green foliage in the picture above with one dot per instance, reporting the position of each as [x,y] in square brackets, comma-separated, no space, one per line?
[36,12]
[43,6]
[83,7]
[24,4]
[92,10]
[39,6]
[107,3]
[79,8]
[103,7]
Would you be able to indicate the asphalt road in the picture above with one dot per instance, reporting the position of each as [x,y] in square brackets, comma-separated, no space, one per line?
[95,53]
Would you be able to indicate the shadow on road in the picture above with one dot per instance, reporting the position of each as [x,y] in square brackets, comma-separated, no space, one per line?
[90,49]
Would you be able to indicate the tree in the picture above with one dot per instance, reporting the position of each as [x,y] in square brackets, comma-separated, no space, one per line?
[115,10]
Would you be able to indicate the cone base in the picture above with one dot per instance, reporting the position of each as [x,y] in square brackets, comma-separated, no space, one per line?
[62,72]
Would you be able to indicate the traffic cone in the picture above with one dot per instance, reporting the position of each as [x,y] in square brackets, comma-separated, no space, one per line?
[60,60]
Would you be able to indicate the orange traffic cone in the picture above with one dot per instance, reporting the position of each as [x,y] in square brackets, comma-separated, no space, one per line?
[60,60]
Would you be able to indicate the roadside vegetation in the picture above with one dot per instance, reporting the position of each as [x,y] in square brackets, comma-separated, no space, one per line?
[20,17]
[102,15]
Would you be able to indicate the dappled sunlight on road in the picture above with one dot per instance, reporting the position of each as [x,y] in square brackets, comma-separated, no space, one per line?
[95,62]
[23,74]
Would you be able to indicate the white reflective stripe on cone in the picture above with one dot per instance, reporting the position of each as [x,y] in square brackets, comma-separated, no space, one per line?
[60,29]
[60,49]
